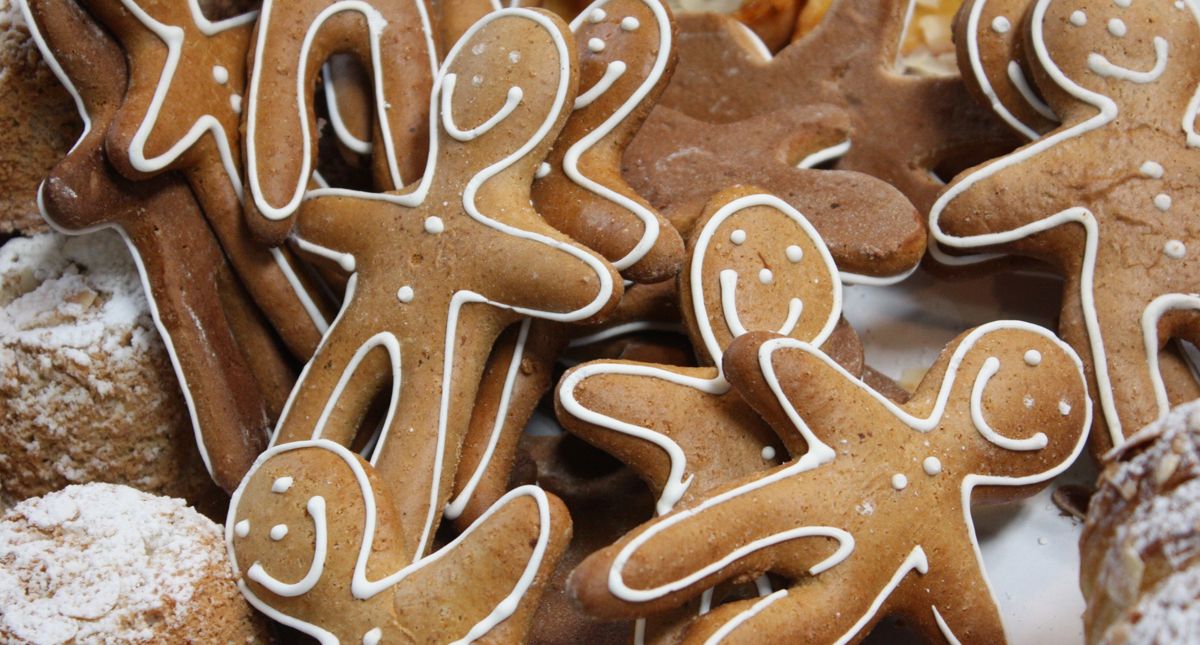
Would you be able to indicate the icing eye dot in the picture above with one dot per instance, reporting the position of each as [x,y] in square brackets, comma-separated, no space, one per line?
[629,23]
[795,254]
[235,102]
[1078,18]
[543,169]
[1064,408]
[899,481]
[932,466]
[596,45]
[765,276]
[220,74]
[514,56]
[373,637]
[279,531]
[405,294]
[768,453]
[1151,169]
[434,225]
[477,80]
[738,237]
[1162,201]
[242,529]
[1175,249]
[1033,358]
[1001,25]
[1117,27]
[281,485]
[596,16]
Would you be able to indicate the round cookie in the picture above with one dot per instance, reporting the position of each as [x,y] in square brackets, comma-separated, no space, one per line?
[105,563]
[87,392]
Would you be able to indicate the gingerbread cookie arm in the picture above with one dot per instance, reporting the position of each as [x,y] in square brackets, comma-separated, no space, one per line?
[626,61]
[280,120]
[517,374]
[952,600]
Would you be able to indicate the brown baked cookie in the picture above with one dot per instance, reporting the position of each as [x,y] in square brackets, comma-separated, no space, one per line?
[393,40]
[725,74]
[872,516]
[990,47]
[517,374]
[678,162]
[626,58]
[317,514]
[208,323]
[1105,197]
[646,312]
[37,125]
[429,260]
[181,111]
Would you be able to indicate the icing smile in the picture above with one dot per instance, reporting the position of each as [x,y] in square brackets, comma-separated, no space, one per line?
[1105,68]
[729,279]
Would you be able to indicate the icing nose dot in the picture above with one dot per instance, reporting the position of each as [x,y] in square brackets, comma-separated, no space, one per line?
[220,74]
[1151,169]
[434,225]
[1175,249]
[629,23]
[1078,18]
[899,481]
[514,56]
[596,45]
[738,237]
[405,294]
[279,531]
[932,466]
[795,254]
[1001,25]
[1033,358]
[1117,27]
[477,80]
[765,276]
[1162,201]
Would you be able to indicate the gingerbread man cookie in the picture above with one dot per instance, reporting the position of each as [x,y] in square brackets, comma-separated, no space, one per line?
[990,50]
[319,547]
[725,74]
[1104,197]
[392,39]
[626,58]
[209,326]
[873,515]
[442,268]
[756,264]
[181,111]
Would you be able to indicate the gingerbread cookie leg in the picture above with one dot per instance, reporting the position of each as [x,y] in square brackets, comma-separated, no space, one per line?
[301,500]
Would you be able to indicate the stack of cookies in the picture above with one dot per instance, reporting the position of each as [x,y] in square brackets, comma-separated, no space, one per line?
[532,324]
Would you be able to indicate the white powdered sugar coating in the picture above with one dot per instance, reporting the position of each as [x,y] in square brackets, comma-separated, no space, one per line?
[1169,613]
[103,563]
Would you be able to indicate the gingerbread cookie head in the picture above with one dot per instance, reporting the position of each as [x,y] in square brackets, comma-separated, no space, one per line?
[758,264]
[1139,55]
[991,54]
[626,59]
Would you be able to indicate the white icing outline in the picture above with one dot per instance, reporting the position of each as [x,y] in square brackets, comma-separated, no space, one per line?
[1101,66]
[340,129]
[985,84]
[515,94]
[361,587]
[758,607]
[571,159]
[1107,112]
[989,369]
[316,509]
[1150,317]
[623,329]
[951,639]
[728,280]
[376,23]
[836,151]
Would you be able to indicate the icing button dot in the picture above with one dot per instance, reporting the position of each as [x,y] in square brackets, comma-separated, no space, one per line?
[1078,18]
[1151,169]
[1001,25]
[242,529]
[629,23]
[1175,249]
[434,225]
[279,531]
[1028,401]
[795,254]
[1117,27]
[1033,358]
[1064,408]
[543,169]
[899,481]
[765,276]
[514,56]
[405,294]
[477,80]
[932,466]
[1162,201]
[596,45]
[235,102]
[738,237]
[220,74]
[596,16]
[1124,4]
[768,453]
[373,637]
[281,485]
